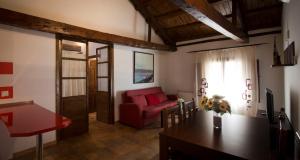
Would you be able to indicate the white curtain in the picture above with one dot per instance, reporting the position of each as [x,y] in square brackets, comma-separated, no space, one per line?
[71,68]
[232,74]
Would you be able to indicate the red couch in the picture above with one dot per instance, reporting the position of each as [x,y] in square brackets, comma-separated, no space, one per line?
[141,107]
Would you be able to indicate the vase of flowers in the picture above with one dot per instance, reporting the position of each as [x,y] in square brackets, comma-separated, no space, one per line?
[218,105]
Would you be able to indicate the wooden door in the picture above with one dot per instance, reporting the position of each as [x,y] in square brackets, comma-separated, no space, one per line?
[72,86]
[104,94]
[92,84]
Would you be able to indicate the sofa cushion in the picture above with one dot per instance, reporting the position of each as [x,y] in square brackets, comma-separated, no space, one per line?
[161,97]
[144,91]
[152,99]
[139,100]
[154,111]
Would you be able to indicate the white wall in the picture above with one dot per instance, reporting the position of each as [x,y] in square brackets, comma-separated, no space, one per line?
[33,53]
[33,57]
[178,69]
[123,72]
[291,22]
[110,16]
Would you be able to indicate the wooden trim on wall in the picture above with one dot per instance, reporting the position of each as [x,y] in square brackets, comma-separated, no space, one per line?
[87,83]
[73,59]
[70,78]
[58,80]
[26,21]
[226,38]
[214,49]
[111,89]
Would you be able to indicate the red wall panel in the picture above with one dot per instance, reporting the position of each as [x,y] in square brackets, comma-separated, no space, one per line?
[4,90]
[6,68]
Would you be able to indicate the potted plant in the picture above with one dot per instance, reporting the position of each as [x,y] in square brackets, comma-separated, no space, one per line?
[218,105]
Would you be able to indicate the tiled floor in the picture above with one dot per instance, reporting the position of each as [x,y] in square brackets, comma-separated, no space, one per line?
[106,142]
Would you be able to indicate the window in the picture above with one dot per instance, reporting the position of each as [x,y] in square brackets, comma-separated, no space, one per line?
[232,74]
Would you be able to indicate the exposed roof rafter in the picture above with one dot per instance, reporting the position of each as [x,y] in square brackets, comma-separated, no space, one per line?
[204,12]
[152,21]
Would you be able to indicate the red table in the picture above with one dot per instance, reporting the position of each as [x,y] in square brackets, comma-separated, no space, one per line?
[28,119]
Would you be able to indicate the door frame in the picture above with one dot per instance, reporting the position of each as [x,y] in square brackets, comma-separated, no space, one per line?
[111,109]
[58,76]
[88,79]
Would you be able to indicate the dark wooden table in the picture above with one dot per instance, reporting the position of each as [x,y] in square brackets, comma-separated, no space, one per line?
[241,137]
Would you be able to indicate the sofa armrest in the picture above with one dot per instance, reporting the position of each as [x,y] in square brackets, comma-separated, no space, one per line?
[131,114]
[172,97]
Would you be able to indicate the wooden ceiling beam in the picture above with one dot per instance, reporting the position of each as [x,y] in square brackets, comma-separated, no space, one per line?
[176,12]
[190,24]
[204,12]
[242,15]
[262,9]
[213,1]
[147,2]
[170,14]
[152,21]
[26,21]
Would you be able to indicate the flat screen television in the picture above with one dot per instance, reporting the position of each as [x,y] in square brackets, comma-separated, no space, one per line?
[270,105]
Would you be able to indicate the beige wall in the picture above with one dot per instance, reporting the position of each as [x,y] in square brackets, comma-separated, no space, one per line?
[178,69]
[291,22]
[33,55]
[110,16]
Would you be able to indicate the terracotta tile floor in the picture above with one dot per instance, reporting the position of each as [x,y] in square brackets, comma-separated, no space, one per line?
[106,142]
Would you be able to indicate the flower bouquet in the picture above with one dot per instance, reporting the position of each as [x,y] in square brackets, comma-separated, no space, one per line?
[216,104]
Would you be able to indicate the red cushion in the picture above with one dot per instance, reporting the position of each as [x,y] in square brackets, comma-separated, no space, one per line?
[139,100]
[152,99]
[161,97]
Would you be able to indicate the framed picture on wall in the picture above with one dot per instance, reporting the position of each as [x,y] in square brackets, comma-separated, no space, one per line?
[143,67]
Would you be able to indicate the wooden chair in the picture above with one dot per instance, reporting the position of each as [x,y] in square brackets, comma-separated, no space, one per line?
[174,114]
[188,109]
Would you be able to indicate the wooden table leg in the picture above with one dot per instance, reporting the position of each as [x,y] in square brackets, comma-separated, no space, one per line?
[163,148]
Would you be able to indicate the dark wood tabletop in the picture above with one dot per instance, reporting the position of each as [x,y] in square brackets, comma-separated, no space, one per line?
[241,137]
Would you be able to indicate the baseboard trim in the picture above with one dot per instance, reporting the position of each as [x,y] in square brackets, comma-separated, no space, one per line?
[32,150]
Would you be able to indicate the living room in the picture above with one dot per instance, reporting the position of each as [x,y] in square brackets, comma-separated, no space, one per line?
[30,46]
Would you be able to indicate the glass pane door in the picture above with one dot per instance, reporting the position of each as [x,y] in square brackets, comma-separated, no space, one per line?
[103,84]
[73,82]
